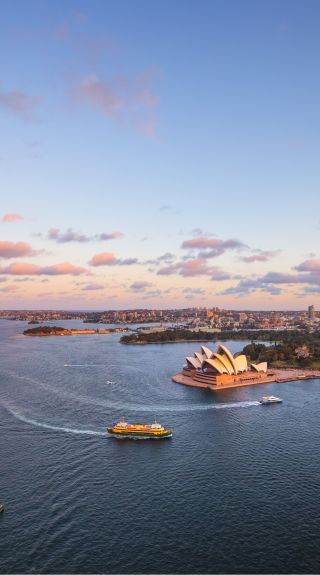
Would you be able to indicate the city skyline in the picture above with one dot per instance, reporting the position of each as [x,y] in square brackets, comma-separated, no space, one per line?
[167,159]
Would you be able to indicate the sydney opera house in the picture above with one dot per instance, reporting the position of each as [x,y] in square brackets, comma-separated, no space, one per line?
[220,368]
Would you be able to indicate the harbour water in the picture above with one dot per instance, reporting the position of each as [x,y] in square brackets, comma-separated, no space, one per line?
[235,490]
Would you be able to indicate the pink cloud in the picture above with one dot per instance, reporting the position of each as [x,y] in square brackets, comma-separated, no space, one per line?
[103,259]
[128,101]
[194,291]
[71,236]
[85,48]
[127,262]
[9,289]
[53,233]
[200,243]
[309,266]
[27,269]
[141,88]
[152,293]
[28,279]
[255,258]
[270,281]
[18,102]
[101,95]
[140,286]
[109,259]
[111,236]
[19,269]
[63,269]
[68,236]
[194,267]
[148,98]
[260,256]
[92,287]
[212,246]
[15,250]
[11,217]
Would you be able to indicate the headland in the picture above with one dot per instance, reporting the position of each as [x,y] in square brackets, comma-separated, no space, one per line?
[221,370]
[188,335]
[278,376]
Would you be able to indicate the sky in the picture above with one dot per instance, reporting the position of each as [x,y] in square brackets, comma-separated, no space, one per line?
[159,154]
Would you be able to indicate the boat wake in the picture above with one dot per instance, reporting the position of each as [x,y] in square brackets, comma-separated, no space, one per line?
[53,427]
[84,365]
[233,405]
[128,406]
[182,408]
[159,409]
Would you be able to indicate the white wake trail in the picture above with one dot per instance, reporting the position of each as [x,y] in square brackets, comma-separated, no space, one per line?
[158,408]
[84,365]
[233,405]
[54,427]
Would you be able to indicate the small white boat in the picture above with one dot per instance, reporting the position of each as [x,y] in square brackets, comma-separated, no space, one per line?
[269,399]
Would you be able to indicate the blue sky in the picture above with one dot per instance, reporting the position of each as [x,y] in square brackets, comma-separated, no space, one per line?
[167,122]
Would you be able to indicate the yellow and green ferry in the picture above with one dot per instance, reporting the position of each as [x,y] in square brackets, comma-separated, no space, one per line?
[139,431]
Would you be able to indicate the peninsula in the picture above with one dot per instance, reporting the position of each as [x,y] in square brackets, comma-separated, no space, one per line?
[221,369]
[182,335]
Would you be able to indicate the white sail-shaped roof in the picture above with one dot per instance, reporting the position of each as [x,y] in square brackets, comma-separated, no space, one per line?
[229,355]
[225,362]
[207,352]
[200,357]
[194,362]
[241,363]
[263,366]
[216,364]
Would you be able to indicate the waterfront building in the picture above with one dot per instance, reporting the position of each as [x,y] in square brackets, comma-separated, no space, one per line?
[311,312]
[221,367]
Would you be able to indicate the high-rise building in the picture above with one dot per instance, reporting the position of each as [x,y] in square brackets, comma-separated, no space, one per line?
[311,312]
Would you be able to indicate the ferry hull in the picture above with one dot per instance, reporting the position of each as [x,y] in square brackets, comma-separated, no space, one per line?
[269,402]
[140,434]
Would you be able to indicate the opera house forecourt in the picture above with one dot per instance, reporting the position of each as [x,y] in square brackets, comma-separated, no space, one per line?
[221,369]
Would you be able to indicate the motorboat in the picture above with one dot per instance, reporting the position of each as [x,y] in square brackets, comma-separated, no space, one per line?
[269,399]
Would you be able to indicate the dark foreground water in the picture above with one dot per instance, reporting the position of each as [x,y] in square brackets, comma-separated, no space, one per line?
[236,490]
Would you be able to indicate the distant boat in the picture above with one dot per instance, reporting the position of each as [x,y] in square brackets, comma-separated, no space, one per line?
[137,430]
[269,399]
[1,507]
